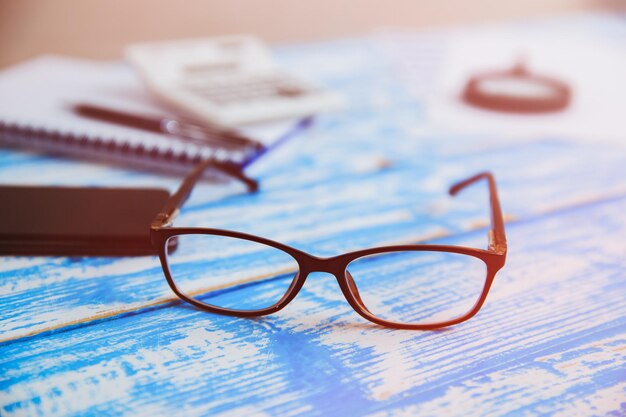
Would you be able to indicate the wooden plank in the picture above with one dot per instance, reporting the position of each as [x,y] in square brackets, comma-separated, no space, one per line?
[551,338]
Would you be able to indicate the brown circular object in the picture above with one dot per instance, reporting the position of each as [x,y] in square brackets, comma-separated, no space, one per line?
[553,95]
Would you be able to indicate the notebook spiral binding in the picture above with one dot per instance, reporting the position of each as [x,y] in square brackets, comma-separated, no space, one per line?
[114,151]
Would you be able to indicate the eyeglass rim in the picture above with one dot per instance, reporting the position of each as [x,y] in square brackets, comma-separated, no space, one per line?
[335,265]
[494,256]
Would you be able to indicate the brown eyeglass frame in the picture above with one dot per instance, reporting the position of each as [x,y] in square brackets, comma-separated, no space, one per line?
[494,257]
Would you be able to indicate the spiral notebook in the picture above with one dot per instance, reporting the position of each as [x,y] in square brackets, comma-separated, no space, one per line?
[36,100]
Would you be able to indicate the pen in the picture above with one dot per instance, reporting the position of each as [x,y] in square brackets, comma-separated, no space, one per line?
[183,129]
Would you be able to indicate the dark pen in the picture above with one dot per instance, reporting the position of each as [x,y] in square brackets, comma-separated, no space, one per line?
[183,129]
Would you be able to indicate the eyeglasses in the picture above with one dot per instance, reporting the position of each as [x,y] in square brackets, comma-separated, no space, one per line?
[418,287]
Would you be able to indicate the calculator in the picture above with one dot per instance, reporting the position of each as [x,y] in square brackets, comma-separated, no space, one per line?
[230,80]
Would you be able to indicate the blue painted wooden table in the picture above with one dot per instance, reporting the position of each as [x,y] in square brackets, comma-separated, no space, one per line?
[106,336]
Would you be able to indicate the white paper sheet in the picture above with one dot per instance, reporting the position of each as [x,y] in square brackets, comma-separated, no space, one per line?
[39,94]
[435,65]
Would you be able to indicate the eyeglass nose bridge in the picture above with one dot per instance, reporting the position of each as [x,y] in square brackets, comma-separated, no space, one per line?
[336,267]
[332,265]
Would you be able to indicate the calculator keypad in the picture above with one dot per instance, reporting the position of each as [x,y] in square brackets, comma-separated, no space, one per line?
[248,89]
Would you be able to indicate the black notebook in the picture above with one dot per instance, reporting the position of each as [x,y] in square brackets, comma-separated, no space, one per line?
[36,101]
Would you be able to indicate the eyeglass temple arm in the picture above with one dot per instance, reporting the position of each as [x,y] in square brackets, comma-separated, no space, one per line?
[497,235]
[175,202]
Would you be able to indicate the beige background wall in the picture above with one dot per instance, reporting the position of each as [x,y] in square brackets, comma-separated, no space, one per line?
[99,28]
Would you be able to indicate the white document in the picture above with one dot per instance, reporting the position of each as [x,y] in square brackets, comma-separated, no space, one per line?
[41,92]
[436,65]
[36,113]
